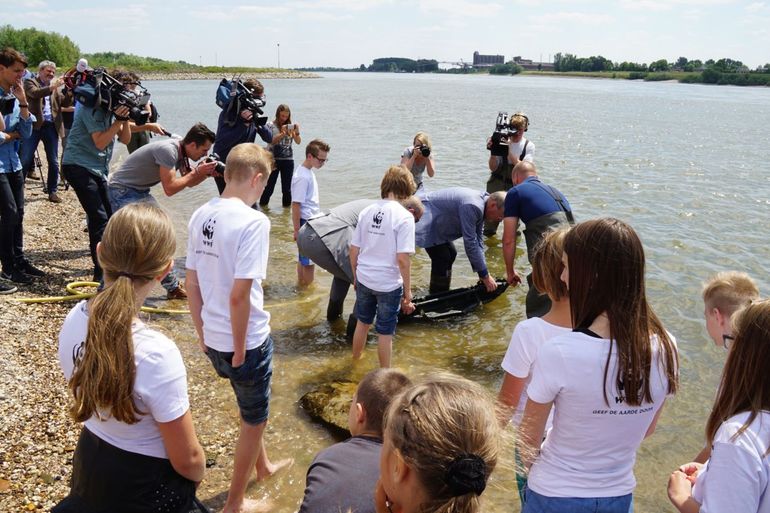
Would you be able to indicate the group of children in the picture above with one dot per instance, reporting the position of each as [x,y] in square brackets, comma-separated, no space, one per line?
[577,433]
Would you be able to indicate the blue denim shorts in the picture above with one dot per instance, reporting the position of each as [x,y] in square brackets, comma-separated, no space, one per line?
[250,381]
[121,196]
[536,503]
[303,260]
[385,304]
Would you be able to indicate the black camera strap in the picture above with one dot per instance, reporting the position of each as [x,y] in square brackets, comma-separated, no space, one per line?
[185,160]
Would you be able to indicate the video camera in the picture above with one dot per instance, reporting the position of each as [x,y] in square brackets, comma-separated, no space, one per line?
[504,129]
[97,88]
[234,96]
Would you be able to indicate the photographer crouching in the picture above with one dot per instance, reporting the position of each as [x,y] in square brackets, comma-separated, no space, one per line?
[103,113]
[241,118]
[507,147]
[158,162]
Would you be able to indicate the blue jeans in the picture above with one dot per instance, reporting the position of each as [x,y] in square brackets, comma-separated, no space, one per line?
[120,197]
[384,304]
[50,137]
[536,503]
[250,381]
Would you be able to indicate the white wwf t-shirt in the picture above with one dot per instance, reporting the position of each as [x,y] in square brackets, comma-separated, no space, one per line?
[304,190]
[228,240]
[591,449]
[383,230]
[160,385]
[519,359]
[736,477]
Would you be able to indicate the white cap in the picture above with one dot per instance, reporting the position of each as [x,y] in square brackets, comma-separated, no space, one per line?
[82,65]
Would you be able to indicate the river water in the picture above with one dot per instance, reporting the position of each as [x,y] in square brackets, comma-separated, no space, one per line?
[686,165]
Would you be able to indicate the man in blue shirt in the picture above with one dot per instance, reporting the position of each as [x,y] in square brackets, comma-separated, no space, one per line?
[541,208]
[16,124]
[86,162]
[450,214]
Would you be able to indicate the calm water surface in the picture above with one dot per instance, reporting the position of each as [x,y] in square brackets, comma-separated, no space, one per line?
[686,165]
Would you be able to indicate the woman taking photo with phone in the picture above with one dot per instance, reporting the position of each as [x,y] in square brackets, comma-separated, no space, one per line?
[138,450]
[283,133]
[606,381]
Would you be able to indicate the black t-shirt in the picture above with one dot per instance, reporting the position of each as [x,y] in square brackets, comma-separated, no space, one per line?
[342,477]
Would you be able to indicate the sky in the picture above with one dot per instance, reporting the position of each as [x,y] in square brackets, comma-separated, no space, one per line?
[347,33]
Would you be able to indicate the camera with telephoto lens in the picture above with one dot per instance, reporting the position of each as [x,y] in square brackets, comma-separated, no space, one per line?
[423,149]
[219,169]
[97,88]
[500,137]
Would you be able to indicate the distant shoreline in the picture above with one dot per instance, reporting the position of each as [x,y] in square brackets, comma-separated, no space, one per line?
[192,75]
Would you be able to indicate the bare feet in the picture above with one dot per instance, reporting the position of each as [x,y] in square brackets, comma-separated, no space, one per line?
[252,506]
[272,468]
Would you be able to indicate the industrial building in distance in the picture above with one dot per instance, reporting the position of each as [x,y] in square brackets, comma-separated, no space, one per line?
[487,61]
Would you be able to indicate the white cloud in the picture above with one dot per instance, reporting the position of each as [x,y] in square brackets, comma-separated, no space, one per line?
[756,7]
[462,8]
[582,18]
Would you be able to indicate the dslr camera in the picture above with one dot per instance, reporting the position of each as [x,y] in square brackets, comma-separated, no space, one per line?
[424,150]
[97,88]
[219,169]
[235,96]
[7,104]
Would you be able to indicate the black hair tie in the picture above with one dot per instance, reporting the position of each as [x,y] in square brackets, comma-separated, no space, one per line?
[466,474]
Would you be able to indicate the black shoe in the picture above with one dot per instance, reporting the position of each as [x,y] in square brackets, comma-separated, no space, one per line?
[30,269]
[7,289]
[16,276]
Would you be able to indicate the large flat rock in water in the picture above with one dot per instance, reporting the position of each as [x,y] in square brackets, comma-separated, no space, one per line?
[330,404]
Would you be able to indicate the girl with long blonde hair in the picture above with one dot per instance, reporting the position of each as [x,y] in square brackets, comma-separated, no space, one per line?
[138,449]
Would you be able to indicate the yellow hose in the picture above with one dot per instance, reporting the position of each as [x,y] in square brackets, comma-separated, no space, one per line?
[74,295]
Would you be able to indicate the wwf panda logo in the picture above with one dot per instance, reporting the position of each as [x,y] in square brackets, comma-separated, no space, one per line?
[378,219]
[208,231]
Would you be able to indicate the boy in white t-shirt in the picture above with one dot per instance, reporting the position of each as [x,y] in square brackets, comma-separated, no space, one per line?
[382,244]
[227,254]
[304,202]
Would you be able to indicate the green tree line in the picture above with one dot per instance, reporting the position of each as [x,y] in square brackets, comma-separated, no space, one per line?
[39,46]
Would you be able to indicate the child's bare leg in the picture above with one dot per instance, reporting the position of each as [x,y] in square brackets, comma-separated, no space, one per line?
[266,468]
[247,449]
[359,339]
[305,274]
[384,349]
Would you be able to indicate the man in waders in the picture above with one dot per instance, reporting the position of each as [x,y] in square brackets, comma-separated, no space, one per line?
[541,207]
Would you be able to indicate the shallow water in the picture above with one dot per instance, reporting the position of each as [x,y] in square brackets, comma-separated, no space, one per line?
[686,165]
